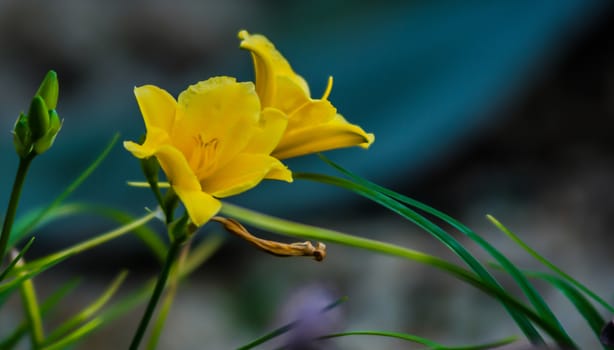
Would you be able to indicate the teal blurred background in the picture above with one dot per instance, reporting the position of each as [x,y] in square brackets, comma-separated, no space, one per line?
[502,107]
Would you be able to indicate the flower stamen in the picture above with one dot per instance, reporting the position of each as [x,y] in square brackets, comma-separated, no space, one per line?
[204,155]
[329,88]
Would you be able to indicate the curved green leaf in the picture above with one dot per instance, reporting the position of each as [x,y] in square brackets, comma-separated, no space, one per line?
[406,212]
[420,340]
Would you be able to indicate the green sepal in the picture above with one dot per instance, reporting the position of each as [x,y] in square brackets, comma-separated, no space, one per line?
[22,137]
[49,89]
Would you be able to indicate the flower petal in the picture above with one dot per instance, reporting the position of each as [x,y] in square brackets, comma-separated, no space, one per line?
[273,123]
[289,96]
[177,169]
[336,134]
[244,172]
[311,114]
[220,111]
[155,138]
[157,107]
[269,64]
[201,206]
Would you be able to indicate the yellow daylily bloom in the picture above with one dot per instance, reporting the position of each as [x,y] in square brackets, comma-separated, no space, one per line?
[313,124]
[213,142]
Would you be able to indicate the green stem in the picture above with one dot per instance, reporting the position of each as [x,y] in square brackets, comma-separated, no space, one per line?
[22,170]
[171,256]
[167,303]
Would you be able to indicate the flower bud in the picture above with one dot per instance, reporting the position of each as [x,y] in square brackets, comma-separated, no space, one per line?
[38,118]
[49,89]
[45,142]
[22,138]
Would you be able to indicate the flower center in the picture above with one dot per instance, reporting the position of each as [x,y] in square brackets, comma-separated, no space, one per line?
[204,156]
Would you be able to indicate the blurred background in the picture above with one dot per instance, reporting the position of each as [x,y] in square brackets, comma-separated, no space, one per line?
[500,107]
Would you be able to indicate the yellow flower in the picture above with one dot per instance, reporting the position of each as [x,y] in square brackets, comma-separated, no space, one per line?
[213,142]
[313,124]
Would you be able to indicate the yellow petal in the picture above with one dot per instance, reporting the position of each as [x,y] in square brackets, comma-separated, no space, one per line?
[244,172]
[289,96]
[177,169]
[200,206]
[280,172]
[313,113]
[220,111]
[272,126]
[269,64]
[155,138]
[335,134]
[157,107]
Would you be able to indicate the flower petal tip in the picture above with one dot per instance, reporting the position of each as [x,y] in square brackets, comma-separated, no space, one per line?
[369,139]
[243,34]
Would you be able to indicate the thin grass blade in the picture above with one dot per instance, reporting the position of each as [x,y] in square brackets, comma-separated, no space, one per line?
[522,321]
[34,222]
[528,289]
[47,306]
[151,239]
[549,264]
[16,260]
[88,311]
[420,340]
[91,243]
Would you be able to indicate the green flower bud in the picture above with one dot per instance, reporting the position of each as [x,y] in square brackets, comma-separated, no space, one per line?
[38,118]
[45,142]
[22,138]
[49,89]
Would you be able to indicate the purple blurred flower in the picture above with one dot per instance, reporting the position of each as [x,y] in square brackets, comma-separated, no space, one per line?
[313,313]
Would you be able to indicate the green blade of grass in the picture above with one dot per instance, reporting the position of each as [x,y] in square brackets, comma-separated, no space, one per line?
[390,203]
[75,336]
[47,306]
[91,243]
[29,226]
[294,229]
[24,273]
[549,264]
[528,289]
[575,296]
[151,239]
[148,236]
[133,299]
[104,318]
[63,329]
[420,340]
[584,307]
[16,260]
